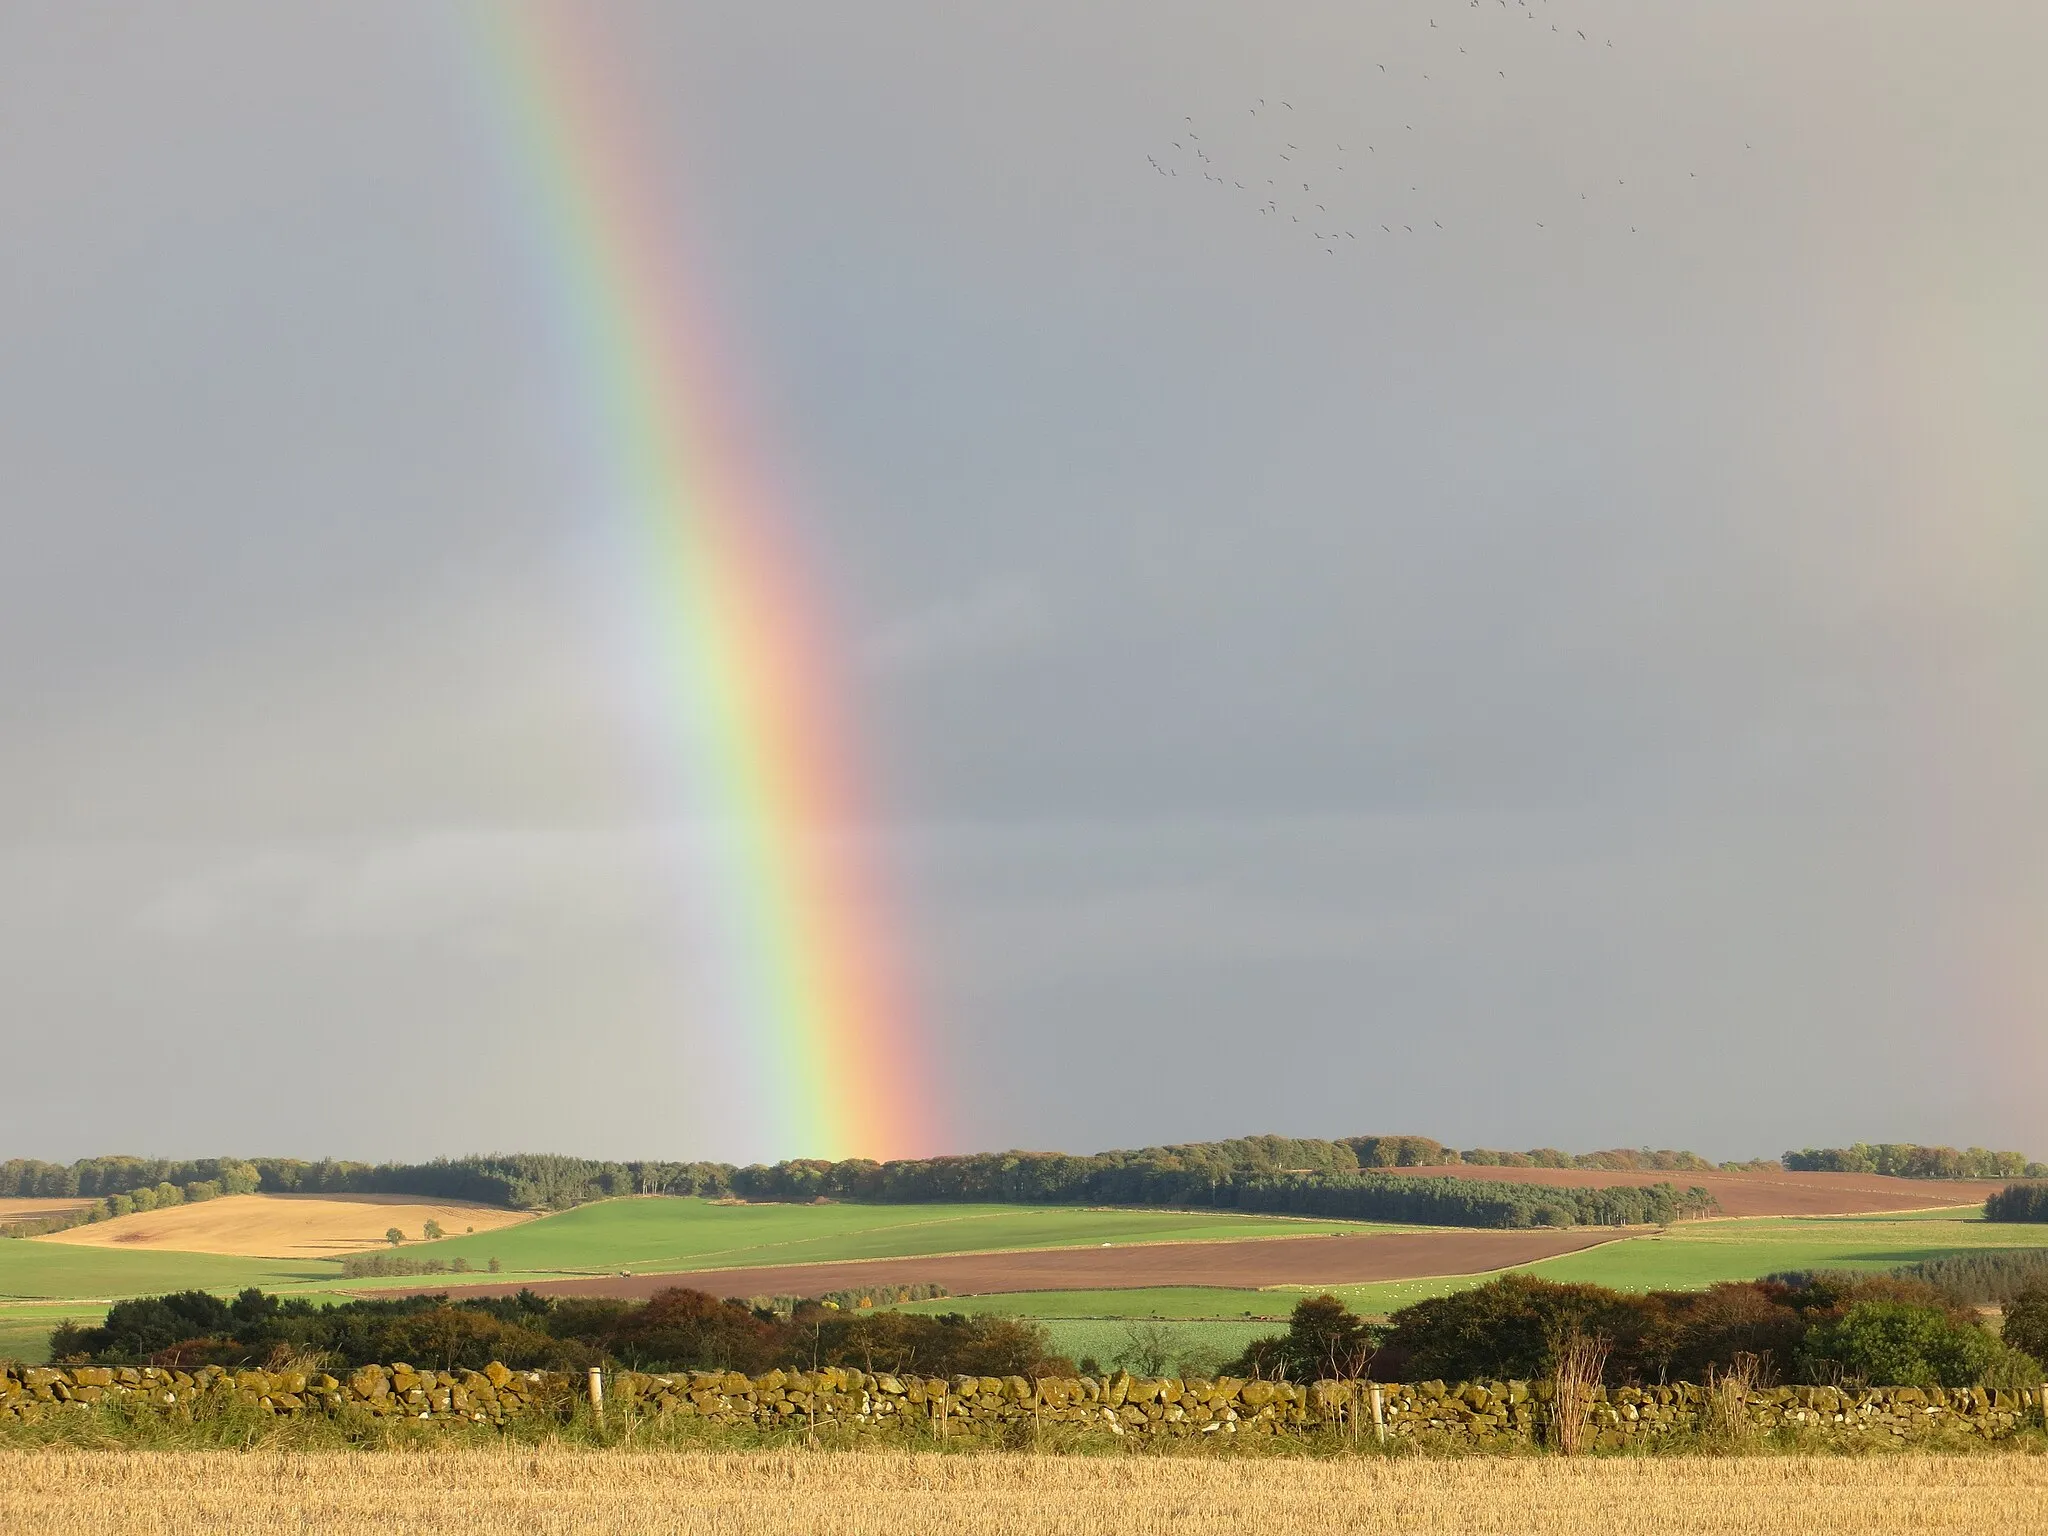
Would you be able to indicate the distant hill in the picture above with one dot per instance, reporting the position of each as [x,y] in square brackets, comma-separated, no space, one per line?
[1348,1176]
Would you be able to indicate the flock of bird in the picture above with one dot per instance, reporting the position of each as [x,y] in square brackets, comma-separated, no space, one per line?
[1375,178]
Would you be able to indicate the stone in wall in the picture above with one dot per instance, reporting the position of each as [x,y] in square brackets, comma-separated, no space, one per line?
[1118,1405]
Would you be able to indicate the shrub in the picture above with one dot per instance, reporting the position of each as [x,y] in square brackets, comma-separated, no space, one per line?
[1323,1338]
[1511,1327]
[136,1329]
[1899,1344]
[2026,1322]
[2009,1367]
[1715,1331]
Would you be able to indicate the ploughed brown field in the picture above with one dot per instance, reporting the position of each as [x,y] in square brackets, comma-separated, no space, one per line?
[528,1491]
[1246,1265]
[1760,1194]
[24,1208]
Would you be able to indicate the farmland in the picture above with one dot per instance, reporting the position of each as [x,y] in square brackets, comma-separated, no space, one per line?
[34,1270]
[1332,1256]
[533,1490]
[1683,1258]
[1047,1263]
[283,1226]
[29,1208]
[663,1235]
[646,1235]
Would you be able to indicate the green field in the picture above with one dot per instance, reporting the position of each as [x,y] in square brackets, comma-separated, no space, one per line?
[1688,1257]
[59,1271]
[660,1234]
[1197,1348]
[25,1330]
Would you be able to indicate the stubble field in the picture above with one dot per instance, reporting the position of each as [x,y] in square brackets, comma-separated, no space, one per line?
[553,1492]
[285,1226]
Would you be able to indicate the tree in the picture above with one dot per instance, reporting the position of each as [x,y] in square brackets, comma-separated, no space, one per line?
[393,1236]
[1511,1328]
[1324,1339]
[1148,1348]
[432,1230]
[2026,1321]
[2018,1202]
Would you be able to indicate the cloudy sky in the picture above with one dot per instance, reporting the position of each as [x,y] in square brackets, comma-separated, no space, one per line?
[1550,648]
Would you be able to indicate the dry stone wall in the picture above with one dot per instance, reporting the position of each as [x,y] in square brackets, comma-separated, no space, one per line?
[1119,1405]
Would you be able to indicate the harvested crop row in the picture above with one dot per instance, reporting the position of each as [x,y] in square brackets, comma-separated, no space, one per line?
[543,1492]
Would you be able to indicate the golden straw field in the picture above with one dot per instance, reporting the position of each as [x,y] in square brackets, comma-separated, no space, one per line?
[285,1226]
[527,1492]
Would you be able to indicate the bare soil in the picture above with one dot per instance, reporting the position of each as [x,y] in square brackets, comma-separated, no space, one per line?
[1760,1194]
[1244,1265]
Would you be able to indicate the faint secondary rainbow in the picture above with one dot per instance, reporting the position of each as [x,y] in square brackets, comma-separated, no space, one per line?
[801,939]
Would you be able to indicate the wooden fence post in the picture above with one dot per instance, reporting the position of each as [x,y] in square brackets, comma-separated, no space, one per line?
[1379,1412]
[597,1391]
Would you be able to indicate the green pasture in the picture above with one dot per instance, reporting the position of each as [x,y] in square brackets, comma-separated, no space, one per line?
[32,1271]
[1696,1255]
[658,1234]
[1196,1348]
[25,1330]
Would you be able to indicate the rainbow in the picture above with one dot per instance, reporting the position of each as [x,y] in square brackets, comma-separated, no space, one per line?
[798,931]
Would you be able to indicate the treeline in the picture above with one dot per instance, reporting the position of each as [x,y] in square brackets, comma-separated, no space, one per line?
[545,1181]
[1907,1160]
[1827,1329]
[1149,1175]
[522,1181]
[673,1330]
[2018,1202]
[1450,1202]
[125,1185]
[1982,1277]
[1256,1173]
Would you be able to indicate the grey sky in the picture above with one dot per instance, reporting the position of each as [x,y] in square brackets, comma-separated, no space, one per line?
[1578,684]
